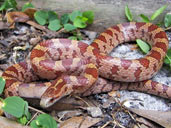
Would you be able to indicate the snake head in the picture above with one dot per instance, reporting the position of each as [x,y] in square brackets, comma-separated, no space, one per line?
[55,92]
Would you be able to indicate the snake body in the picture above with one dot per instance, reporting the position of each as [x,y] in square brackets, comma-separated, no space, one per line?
[75,66]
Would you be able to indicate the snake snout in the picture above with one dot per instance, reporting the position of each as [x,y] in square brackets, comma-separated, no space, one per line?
[47,102]
[55,92]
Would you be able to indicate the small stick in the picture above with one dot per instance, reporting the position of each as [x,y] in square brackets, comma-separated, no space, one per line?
[82,100]
[36,110]
[32,118]
[166,29]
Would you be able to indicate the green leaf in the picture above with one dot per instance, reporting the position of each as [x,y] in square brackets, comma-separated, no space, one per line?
[41,17]
[80,22]
[89,15]
[128,13]
[144,18]
[54,25]
[64,18]
[72,38]
[14,105]
[143,46]
[34,124]
[159,24]
[8,4]
[12,3]
[167,59]
[23,120]
[2,84]
[44,121]
[26,111]
[74,15]
[69,27]
[158,12]
[27,5]
[52,16]
[79,37]
[167,20]
[3,6]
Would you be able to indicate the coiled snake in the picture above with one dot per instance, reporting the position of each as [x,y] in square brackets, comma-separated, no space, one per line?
[75,66]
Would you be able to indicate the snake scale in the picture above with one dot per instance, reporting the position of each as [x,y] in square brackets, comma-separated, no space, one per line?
[76,67]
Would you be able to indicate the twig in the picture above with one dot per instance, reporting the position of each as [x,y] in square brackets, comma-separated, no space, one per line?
[166,29]
[32,118]
[60,31]
[133,118]
[99,20]
[36,110]
[82,100]
[82,121]
[115,121]
[59,120]
[106,124]
[34,24]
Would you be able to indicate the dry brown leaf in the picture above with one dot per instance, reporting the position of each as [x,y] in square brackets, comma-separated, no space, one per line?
[134,47]
[64,115]
[35,40]
[6,123]
[79,122]
[1,72]
[3,25]
[38,26]
[13,17]
[114,94]
[146,122]
[162,118]
[30,12]
[70,103]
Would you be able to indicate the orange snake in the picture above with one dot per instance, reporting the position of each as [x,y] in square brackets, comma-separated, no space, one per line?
[75,66]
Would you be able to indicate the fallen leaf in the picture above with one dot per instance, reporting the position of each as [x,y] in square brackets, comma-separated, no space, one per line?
[114,94]
[35,40]
[134,47]
[144,126]
[30,12]
[68,114]
[4,66]
[3,25]
[6,123]
[13,17]
[3,56]
[94,111]
[162,118]
[70,103]
[21,48]
[1,72]
[34,24]
[146,122]
[79,122]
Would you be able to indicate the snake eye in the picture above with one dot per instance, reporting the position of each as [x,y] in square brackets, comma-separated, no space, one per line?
[51,100]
